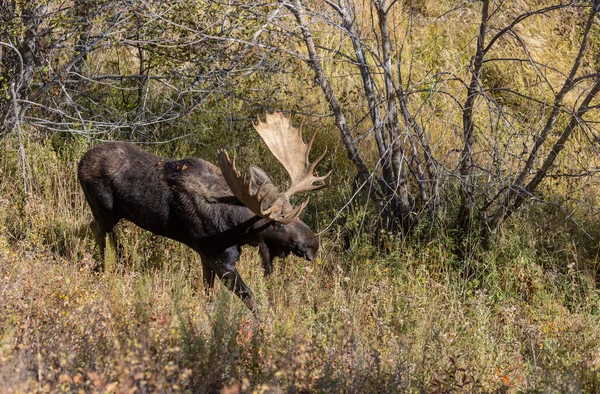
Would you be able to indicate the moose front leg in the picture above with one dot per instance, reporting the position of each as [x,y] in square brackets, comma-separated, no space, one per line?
[224,267]
[266,257]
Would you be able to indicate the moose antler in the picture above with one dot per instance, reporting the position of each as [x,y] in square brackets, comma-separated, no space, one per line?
[278,209]
[286,144]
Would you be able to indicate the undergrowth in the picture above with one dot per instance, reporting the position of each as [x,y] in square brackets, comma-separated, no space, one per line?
[400,316]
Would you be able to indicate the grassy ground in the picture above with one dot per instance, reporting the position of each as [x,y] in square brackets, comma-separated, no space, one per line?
[521,316]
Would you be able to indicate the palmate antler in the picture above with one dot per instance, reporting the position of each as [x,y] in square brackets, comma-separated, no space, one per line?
[286,144]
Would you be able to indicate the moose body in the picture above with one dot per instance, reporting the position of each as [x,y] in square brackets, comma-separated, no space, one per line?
[192,202]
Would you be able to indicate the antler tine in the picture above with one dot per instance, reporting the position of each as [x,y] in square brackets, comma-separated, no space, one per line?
[293,214]
[322,180]
[312,165]
[309,147]
[308,180]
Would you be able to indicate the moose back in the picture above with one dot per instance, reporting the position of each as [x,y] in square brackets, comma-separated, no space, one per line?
[213,210]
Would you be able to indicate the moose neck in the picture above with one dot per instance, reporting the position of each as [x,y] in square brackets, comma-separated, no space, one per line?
[236,225]
[255,230]
[250,229]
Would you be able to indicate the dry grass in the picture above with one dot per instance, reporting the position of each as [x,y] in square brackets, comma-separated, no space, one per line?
[409,320]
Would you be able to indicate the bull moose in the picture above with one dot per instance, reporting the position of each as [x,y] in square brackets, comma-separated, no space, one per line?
[213,210]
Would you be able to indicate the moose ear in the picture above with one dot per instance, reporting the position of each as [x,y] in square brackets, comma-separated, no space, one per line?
[259,176]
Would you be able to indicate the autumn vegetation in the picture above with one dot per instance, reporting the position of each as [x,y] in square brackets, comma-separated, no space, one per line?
[460,236]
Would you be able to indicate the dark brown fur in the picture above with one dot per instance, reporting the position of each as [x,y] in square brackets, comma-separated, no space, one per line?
[189,201]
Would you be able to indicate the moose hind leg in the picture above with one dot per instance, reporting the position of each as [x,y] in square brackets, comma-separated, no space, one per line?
[100,230]
[99,235]
[208,276]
